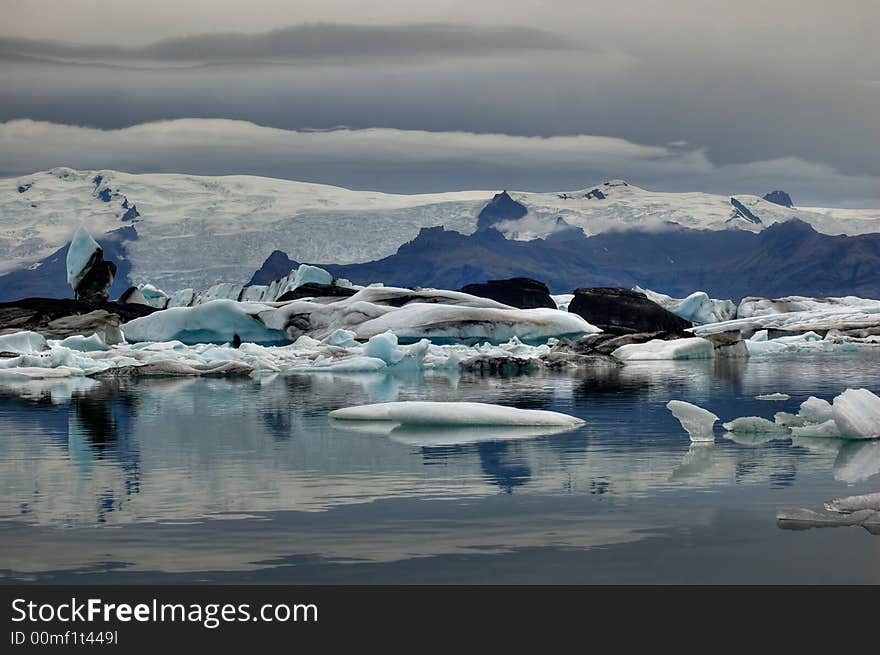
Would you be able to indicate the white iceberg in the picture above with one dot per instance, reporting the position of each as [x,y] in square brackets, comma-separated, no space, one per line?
[773,396]
[657,349]
[816,410]
[698,422]
[453,413]
[217,321]
[696,308]
[854,503]
[80,253]
[787,419]
[857,414]
[562,300]
[825,430]
[22,343]
[754,425]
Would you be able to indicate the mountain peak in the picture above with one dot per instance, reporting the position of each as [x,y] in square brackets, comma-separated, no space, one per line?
[779,197]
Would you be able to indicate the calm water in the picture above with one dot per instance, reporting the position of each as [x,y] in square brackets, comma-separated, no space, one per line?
[239,481]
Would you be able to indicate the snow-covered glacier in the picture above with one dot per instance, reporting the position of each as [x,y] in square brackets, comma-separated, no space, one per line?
[193,231]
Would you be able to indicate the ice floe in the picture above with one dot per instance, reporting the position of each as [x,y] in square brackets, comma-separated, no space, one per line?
[854,503]
[773,396]
[754,425]
[698,422]
[656,349]
[453,413]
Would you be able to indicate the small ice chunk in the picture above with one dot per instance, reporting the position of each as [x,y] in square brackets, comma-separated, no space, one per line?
[773,396]
[786,419]
[854,503]
[857,414]
[826,429]
[698,422]
[452,413]
[815,410]
[753,425]
[85,344]
[342,338]
[22,343]
[384,346]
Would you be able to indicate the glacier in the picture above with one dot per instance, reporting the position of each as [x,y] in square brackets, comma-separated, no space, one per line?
[195,231]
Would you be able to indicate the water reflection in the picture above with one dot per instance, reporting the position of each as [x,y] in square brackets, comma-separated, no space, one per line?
[180,451]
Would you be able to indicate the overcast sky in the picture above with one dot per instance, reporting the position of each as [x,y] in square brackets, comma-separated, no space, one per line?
[681,94]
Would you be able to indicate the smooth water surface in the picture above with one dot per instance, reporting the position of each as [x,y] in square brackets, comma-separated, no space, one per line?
[189,480]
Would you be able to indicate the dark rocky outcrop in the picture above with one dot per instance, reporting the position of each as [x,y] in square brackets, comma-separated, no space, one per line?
[521,292]
[741,211]
[95,284]
[779,197]
[314,290]
[622,311]
[276,266]
[501,208]
[59,318]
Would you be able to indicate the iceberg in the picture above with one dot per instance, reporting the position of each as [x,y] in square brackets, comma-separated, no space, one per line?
[696,308]
[217,321]
[698,422]
[22,343]
[754,425]
[854,503]
[825,430]
[81,254]
[773,396]
[815,410]
[453,413]
[657,349]
[857,414]
[801,519]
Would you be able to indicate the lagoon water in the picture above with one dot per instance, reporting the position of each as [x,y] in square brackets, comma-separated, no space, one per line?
[194,480]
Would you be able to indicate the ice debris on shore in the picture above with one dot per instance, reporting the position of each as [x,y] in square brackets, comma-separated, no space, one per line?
[429,413]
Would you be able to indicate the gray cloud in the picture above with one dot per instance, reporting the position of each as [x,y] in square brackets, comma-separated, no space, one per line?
[315,41]
[412,160]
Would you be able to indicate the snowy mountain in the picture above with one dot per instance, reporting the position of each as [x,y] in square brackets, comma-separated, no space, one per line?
[180,231]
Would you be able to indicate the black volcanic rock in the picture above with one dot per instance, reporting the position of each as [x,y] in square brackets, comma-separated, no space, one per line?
[741,211]
[314,290]
[622,311]
[780,198]
[501,208]
[95,285]
[58,318]
[277,265]
[521,292]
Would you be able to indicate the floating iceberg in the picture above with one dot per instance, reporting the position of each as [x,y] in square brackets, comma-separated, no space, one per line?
[773,396]
[826,430]
[698,422]
[453,413]
[696,308]
[656,349]
[802,519]
[754,425]
[857,414]
[854,503]
[815,410]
